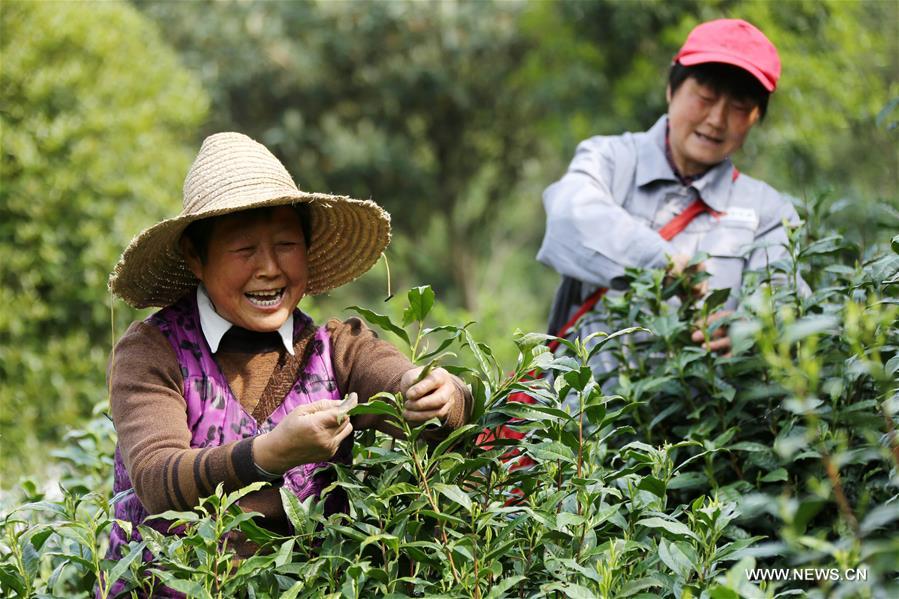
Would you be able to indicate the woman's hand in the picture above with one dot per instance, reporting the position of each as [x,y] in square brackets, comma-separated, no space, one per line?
[678,264]
[309,433]
[431,397]
[719,339]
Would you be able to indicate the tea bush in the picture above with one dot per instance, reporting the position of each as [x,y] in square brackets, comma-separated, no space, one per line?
[677,475]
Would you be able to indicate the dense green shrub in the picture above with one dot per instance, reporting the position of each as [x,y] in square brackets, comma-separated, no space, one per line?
[697,469]
[97,114]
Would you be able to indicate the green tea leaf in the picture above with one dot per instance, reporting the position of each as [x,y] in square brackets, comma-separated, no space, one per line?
[502,587]
[777,475]
[176,518]
[443,517]
[673,557]
[188,587]
[135,553]
[879,517]
[565,521]
[10,579]
[828,245]
[31,560]
[376,407]
[716,298]
[381,321]
[653,485]
[806,327]
[632,587]
[390,540]
[232,498]
[606,339]
[294,591]
[40,537]
[296,512]
[421,299]
[480,356]
[551,452]
[570,590]
[454,493]
[451,439]
[675,528]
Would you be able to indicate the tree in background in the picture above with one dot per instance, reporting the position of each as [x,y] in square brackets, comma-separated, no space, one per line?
[417,105]
[98,121]
[455,115]
[840,71]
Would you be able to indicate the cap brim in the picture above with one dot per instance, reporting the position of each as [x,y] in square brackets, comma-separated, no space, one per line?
[737,61]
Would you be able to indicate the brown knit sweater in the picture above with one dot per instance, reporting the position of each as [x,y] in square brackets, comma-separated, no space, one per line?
[150,416]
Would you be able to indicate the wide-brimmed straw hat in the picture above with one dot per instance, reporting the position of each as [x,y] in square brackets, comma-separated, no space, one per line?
[234,173]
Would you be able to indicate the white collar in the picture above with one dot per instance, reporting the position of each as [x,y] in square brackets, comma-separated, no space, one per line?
[214,326]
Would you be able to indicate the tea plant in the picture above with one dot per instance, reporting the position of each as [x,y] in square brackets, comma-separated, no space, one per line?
[678,474]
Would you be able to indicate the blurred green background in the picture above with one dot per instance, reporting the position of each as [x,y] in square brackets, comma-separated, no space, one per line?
[452,115]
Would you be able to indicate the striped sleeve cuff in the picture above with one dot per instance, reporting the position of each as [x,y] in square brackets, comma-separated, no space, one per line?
[245,466]
[242,458]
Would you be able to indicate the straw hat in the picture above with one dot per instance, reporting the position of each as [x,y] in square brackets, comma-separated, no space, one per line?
[233,173]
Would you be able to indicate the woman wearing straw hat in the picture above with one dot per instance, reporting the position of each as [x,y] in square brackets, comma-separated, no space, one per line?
[230,383]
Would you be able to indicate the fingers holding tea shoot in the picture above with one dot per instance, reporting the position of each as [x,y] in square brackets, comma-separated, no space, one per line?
[718,338]
[349,402]
[428,396]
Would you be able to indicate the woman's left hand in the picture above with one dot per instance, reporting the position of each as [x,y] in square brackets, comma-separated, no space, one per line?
[719,339]
[431,397]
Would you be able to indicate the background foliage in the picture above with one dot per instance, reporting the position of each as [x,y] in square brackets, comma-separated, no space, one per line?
[94,149]
[453,115]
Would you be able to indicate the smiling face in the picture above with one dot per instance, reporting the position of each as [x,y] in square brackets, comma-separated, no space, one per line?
[706,126]
[255,267]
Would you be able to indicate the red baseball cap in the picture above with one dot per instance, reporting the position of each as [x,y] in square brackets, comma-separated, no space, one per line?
[736,42]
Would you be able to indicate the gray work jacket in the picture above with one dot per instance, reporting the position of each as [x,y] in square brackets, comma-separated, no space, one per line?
[604,214]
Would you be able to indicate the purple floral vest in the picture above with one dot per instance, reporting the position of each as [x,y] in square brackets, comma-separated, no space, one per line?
[215,417]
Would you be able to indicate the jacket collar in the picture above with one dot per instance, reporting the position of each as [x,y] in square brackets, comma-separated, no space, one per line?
[652,165]
[214,326]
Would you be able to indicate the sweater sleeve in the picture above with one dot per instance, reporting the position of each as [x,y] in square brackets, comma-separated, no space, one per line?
[150,416]
[368,365]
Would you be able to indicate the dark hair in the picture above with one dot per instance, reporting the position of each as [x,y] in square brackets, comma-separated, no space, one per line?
[199,232]
[723,78]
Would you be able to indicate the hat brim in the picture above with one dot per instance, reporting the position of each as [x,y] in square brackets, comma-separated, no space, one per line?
[695,58]
[348,237]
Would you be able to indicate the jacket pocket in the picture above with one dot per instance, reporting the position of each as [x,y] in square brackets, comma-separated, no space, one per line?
[727,241]
[728,248]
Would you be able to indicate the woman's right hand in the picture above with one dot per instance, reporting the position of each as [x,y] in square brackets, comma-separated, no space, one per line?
[309,433]
[680,263]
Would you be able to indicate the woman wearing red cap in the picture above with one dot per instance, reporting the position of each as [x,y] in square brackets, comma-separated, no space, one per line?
[657,198]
